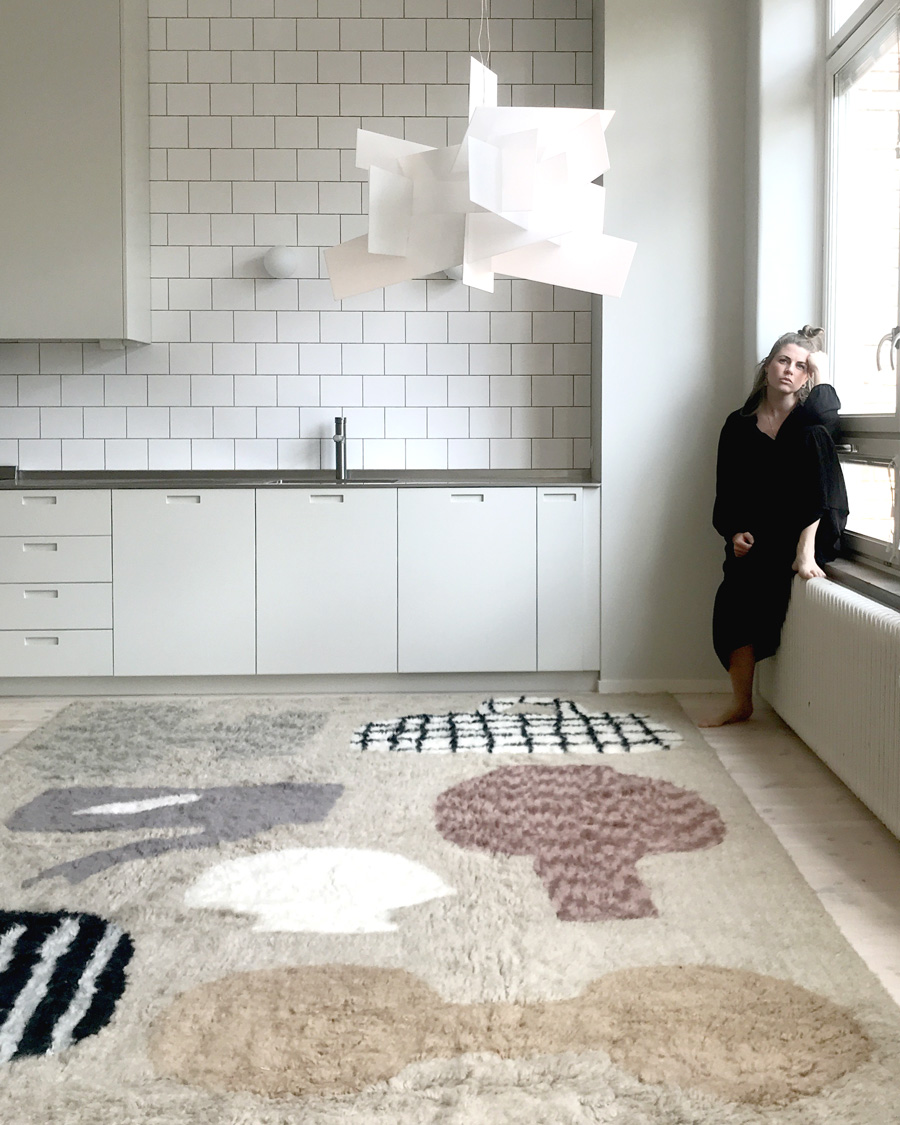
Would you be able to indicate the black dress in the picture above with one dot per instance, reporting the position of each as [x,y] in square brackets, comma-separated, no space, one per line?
[773,488]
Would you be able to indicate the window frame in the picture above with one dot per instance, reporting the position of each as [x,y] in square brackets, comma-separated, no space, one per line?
[869,438]
[836,36]
[863,26]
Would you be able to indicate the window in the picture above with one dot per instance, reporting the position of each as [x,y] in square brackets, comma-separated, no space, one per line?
[865,242]
[871,487]
[863,262]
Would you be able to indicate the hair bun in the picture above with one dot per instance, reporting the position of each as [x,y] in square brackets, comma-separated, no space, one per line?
[817,334]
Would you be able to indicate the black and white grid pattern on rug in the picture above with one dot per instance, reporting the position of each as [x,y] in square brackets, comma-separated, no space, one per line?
[521,725]
[60,977]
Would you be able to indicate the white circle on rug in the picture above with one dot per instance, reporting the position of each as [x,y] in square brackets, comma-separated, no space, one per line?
[318,890]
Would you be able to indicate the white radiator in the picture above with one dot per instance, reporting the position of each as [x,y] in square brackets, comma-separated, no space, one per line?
[836,682]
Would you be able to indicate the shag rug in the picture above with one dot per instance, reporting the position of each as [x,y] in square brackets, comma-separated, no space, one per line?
[414,910]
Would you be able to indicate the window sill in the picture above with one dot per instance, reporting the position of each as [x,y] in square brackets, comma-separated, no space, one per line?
[866,579]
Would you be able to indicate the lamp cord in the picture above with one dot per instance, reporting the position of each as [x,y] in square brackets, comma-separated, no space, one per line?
[485,26]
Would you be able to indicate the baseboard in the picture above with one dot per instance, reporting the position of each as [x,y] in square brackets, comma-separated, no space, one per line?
[556,682]
[402,682]
[643,687]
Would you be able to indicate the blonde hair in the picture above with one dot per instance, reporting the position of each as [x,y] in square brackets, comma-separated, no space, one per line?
[810,339]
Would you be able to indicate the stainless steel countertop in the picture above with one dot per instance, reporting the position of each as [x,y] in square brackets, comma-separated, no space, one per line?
[294,478]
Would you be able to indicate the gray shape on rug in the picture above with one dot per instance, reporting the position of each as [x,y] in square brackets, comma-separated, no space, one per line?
[96,739]
[525,724]
[224,813]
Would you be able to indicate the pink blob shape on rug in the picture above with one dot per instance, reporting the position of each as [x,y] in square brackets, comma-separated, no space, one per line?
[585,826]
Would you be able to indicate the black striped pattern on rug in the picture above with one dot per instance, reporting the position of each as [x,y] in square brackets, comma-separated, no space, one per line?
[495,728]
[61,975]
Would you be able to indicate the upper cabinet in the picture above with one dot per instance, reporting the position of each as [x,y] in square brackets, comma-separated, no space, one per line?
[74,192]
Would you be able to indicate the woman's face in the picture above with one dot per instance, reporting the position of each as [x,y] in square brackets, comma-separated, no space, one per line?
[788,369]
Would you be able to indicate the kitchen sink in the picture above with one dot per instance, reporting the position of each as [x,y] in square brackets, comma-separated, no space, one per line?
[326,482]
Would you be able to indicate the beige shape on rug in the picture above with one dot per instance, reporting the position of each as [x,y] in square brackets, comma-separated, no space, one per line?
[318,890]
[337,1029]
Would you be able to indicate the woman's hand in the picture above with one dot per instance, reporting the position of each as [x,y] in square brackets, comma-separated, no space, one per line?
[741,542]
[808,567]
[817,364]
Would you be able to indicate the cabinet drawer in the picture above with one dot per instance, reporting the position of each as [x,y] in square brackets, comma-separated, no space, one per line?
[69,558]
[63,512]
[66,605]
[75,652]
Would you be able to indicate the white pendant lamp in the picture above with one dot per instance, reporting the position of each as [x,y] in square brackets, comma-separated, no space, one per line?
[515,197]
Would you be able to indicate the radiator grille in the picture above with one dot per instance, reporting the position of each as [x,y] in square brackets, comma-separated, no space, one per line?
[836,682]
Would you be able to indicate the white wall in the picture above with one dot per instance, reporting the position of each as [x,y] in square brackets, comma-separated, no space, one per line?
[785,154]
[673,344]
[254,110]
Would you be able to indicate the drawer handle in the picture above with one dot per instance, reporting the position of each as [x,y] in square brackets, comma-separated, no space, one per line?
[182,499]
[560,496]
[42,640]
[39,499]
[40,546]
[326,498]
[467,498]
[40,594]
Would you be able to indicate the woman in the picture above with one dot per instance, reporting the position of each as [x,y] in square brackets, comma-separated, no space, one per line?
[781,505]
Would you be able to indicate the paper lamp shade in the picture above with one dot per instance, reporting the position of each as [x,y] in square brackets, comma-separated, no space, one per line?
[516,197]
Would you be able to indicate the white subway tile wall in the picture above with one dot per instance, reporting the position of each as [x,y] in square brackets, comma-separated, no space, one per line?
[254,110]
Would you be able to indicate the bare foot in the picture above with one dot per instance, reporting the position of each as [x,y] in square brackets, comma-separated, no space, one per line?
[738,713]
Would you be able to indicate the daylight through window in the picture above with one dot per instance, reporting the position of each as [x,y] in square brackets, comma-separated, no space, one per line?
[863,256]
[867,228]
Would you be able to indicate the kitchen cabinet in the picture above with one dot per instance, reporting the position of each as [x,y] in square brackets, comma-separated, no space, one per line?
[326,580]
[184,582]
[74,193]
[55,584]
[299,581]
[568,578]
[466,580]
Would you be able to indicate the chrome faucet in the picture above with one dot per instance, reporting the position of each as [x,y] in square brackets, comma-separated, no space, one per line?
[340,449]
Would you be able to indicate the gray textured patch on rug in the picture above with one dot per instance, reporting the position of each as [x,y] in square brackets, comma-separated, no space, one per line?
[539,1018]
[103,738]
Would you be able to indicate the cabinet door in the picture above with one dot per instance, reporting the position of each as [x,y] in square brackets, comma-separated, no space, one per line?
[327,580]
[74,190]
[466,580]
[568,579]
[183,582]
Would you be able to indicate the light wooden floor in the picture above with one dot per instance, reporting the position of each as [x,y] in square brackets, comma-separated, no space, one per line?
[847,856]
